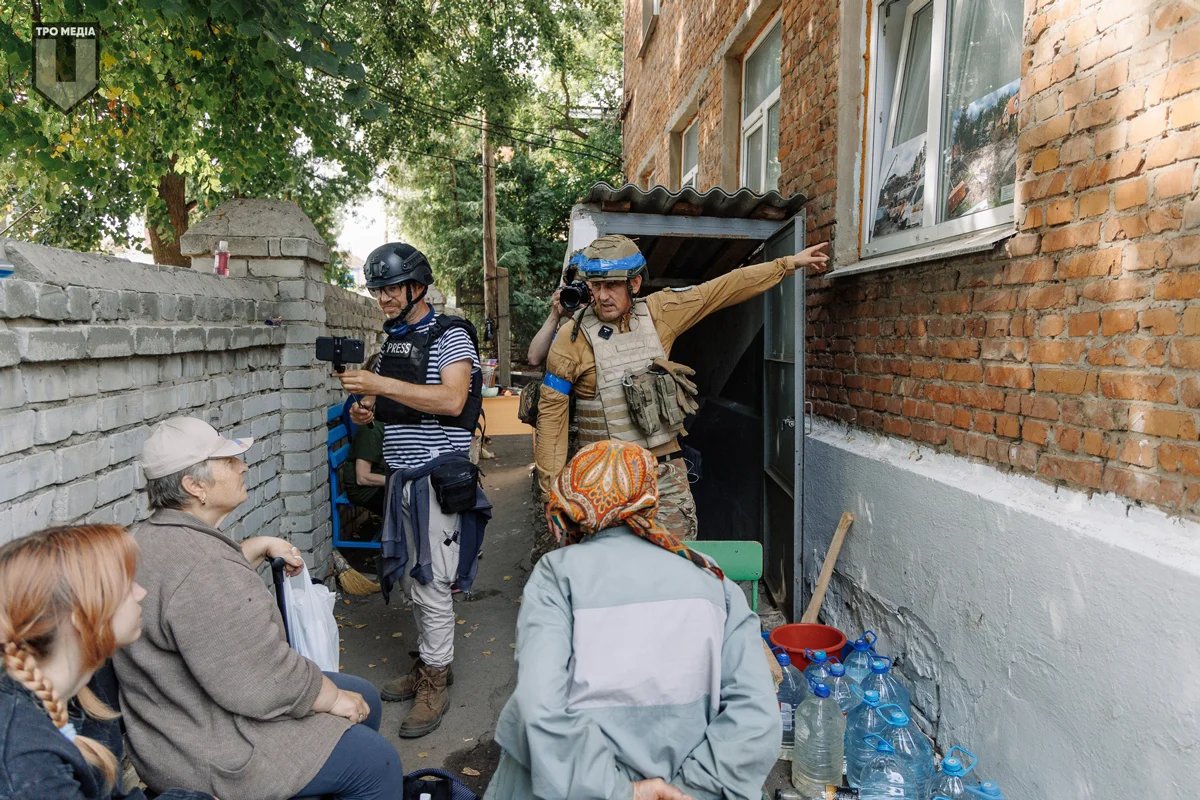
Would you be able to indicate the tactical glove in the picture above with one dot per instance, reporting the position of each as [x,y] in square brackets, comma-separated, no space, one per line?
[682,374]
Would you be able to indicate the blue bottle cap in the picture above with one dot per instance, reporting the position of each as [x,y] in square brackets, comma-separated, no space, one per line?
[819,657]
[784,659]
[990,790]
[837,670]
[953,767]
[871,697]
[897,718]
[879,666]
[821,690]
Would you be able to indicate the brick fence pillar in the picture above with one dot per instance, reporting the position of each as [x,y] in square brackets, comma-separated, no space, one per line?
[274,241]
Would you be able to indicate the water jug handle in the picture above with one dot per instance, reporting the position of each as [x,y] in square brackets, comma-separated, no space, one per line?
[968,765]
[886,710]
[878,743]
[870,638]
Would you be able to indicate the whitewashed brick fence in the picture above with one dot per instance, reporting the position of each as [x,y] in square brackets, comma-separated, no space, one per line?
[94,350]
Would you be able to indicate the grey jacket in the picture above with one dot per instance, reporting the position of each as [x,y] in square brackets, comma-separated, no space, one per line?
[213,697]
[634,663]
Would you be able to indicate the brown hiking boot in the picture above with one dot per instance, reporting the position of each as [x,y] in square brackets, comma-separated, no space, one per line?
[405,687]
[432,699]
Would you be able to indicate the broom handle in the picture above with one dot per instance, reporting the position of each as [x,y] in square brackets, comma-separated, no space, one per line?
[835,547]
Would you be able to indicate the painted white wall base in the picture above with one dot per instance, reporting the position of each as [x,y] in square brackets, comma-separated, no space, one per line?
[1052,633]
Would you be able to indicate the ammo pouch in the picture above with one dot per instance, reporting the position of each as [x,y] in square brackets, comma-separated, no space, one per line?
[527,409]
[653,400]
[454,485]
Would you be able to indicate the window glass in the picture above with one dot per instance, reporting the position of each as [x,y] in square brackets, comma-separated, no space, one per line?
[754,160]
[772,181]
[913,115]
[691,148]
[979,139]
[762,71]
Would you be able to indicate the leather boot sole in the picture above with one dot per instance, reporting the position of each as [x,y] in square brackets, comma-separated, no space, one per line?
[417,733]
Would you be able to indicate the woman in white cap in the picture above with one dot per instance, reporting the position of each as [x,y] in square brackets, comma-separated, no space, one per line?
[213,696]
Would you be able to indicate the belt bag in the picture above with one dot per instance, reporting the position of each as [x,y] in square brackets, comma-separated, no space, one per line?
[642,399]
[454,486]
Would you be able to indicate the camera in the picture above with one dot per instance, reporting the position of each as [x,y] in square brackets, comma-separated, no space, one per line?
[574,293]
[341,350]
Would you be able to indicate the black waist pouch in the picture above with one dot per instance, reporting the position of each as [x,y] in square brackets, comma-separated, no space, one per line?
[454,485]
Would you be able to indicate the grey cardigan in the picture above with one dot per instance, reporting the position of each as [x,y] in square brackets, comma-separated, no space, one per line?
[212,696]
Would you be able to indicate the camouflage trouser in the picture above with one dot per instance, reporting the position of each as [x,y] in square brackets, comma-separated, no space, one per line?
[676,507]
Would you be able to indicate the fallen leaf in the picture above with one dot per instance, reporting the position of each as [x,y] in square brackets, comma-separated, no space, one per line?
[468,738]
[397,635]
[467,635]
[473,773]
[361,625]
[461,622]
[508,577]
[422,755]
[487,652]
[346,602]
[378,637]
[492,639]
[370,666]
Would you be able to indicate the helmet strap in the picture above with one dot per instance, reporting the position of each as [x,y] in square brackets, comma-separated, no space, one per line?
[412,301]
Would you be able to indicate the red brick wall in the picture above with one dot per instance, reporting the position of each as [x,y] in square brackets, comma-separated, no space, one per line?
[1073,351]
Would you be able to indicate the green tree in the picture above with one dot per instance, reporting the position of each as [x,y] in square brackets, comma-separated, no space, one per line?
[198,102]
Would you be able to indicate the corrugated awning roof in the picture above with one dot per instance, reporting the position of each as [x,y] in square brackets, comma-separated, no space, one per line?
[716,202]
[686,236]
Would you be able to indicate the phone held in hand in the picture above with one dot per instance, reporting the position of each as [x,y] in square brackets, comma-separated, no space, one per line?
[340,350]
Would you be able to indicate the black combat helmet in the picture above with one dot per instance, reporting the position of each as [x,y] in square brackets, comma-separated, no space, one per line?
[396,262]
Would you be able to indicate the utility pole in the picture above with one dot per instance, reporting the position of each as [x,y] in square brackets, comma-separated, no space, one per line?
[495,279]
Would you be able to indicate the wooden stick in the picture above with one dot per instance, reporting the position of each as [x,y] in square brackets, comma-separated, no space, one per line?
[835,547]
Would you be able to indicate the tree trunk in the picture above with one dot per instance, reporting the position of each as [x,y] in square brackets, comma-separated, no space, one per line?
[164,244]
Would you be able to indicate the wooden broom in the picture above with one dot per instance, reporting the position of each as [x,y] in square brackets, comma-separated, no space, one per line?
[351,580]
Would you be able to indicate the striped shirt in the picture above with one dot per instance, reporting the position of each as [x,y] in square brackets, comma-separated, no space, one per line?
[408,446]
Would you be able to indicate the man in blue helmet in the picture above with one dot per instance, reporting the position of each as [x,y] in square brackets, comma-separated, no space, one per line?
[426,390]
[609,374]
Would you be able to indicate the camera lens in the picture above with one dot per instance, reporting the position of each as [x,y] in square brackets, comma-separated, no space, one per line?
[572,296]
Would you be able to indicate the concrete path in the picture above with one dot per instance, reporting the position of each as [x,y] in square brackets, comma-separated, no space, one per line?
[377,638]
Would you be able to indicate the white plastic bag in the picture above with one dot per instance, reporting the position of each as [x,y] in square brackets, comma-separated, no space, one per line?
[311,626]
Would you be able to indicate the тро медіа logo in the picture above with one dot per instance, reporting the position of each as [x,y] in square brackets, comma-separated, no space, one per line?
[66,62]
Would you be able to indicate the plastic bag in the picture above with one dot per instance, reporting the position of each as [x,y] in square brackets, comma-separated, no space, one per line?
[311,627]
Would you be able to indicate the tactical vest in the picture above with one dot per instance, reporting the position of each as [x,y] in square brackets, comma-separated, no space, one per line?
[405,357]
[607,416]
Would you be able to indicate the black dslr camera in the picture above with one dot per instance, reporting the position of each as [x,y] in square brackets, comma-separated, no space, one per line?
[341,350]
[575,293]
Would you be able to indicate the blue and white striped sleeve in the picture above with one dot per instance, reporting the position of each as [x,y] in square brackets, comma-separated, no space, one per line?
[454,346]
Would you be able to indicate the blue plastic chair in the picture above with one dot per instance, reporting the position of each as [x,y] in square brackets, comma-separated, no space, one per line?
[342,430]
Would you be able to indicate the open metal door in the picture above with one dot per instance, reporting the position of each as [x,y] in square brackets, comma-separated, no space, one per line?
[783,424]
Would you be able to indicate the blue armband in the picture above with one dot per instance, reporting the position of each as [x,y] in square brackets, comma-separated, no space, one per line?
[560,385]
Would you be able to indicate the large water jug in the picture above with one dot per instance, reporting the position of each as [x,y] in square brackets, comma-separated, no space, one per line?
[846,692]
[986,790]
[950,781]
[861,722]
[820,741]
[858,662]
[790,694]
[910,744]
[888,776]
[890,689]
[817,670]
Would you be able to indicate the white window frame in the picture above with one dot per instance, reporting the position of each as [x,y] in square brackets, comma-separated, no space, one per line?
[687,177]
[650,12]
[757,117]
[881,83]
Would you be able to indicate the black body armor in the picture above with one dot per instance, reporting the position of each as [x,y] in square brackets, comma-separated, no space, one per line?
[405,357]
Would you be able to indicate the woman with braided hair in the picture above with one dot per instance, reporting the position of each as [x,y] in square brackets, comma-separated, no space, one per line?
[68,601]
[640,671]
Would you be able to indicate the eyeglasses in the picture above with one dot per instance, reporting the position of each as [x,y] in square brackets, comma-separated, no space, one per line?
[395,291]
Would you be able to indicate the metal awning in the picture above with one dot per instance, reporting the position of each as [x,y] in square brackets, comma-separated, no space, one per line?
[686,236]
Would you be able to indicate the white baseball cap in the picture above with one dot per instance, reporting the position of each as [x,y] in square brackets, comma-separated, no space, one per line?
[178,443]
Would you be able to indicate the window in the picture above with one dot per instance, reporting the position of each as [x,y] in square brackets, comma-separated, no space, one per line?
[650,10]
[760,112]
[689,156]
[943,129]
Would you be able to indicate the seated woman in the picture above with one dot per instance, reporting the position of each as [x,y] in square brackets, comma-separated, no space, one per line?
[639,667]
[212,694]
[67,602]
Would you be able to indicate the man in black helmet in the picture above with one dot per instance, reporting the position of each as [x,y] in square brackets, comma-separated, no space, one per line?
[426,389]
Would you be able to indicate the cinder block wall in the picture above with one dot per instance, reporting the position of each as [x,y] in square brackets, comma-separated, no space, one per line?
[95,350]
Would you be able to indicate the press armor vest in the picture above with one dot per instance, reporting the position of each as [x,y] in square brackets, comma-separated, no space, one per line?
[405,357]
[606,416]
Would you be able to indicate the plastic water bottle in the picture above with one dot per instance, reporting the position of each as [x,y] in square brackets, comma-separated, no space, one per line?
[890,689]
[888,776]
[817,670]
[790,694]
[987,790]
[820,741]
[848,694]
[861,722]
[858,663]
[949,781]
[911,746]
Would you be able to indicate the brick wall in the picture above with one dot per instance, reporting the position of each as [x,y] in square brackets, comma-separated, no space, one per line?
[1070,352]
[95,350]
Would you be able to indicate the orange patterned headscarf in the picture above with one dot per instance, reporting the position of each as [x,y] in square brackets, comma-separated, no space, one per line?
[609,483]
